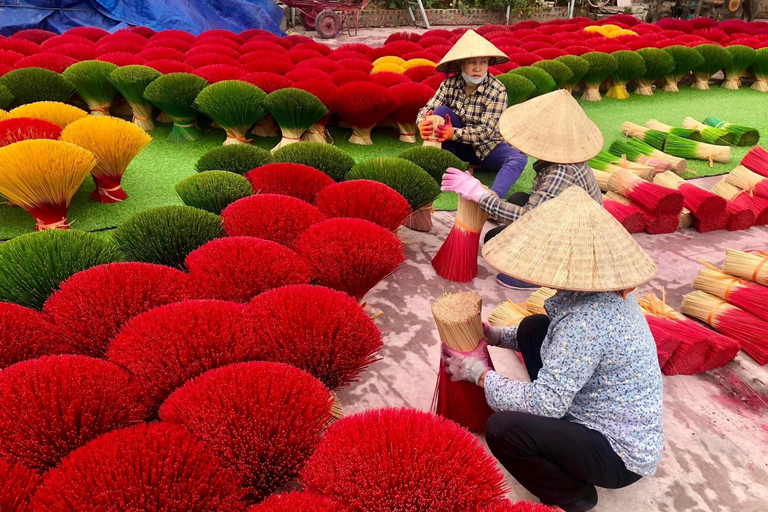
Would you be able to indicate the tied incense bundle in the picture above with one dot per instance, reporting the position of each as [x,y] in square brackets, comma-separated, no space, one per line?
[460,328]
[743,135]
[685,133]
[630,216]
[457,258]
[654,138]
[747,265]
[756,160]
[751,297]
[686,148]
[710,134]
[624,149]
[656,199]
[679,165]
[535,303]
[758,205]
[747,180]
[747,329]
[608,162]
[708,209]
[508,314]
[655,224]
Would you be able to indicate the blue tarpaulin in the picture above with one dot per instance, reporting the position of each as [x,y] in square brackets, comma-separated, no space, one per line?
[194,16]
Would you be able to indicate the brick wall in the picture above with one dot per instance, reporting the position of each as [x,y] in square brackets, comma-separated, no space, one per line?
[448,17]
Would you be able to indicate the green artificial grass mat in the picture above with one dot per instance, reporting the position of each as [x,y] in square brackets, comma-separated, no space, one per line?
[152,176]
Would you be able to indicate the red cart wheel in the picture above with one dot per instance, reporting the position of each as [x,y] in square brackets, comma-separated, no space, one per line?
[307,19]
[328,24]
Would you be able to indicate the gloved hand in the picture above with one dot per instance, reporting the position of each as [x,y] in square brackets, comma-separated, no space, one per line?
[468,366]
[445,132]
[492,334]
[463,184]
[427,127]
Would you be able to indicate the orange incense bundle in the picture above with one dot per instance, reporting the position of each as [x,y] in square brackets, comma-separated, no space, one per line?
[758,205]
[708,209]
[750,181]
[460,328]
[457,258]
[747,329]
[653,198]
[751,297]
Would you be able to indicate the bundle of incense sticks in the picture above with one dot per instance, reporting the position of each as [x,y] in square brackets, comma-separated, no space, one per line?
[756,160]
[507,314]
[751,265]
[535,303]
[748,180]
[653,198]
[758,205]
[708,209]
[655,224]
[749,296]
[457,258]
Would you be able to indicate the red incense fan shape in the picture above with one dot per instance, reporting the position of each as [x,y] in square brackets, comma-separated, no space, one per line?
[24,128]
[288,179]
[365,199]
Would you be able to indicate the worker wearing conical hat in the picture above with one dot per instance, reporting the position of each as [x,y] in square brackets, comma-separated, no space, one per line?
[592,413]
[471,102]
[554,129]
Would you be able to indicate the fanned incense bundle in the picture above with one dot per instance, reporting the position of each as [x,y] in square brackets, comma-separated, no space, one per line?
[756,160]
[623,149]
[686,148]
[654,138]
[22,128]
[679,165]
[630,216]
[708,208]
[630,67]
[751,297]
[710,134]
[457,258]
[747,329]
[42,176]
[686,60]
[175,95]
[91,80]
[685,133]
[747,180]
[535,303]
[600,66]
[52,111]
[746,265]
[411,98]
[460,328]
[115,143]
[760,70]
[742,58]
[234,105]
[658,64]
[744,135]
[656,199]
[507,314]
[131,81]
[758,205]
[715,59]
[294,110]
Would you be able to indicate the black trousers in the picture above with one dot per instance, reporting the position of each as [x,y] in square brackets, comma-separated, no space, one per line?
[557,461]
[518,198]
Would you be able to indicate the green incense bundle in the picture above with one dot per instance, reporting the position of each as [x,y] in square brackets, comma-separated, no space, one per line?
[630,66]
[608,162]
[234,105]
[131,81]
[679,165]
[658,64]
[686,60]
[518,87]
[91,79]
[685,133]
[578,67]
[715,59]
[175,95]
[559,72]
[654,138]
[600,66]
[686,148]
[710,134]
[744,135]
[741,58]
[760,70]
[294,110]
[622,148]
[31,85]
[540,78]
[6,97]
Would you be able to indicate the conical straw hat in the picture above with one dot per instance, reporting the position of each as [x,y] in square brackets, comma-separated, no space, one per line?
[552,127]
[470,45]
[570,243]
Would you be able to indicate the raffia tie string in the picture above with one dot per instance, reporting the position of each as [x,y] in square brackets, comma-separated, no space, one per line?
[732,280]
[60,224]
[106,192]
[758,268]
[291,138]
[464,227]
[714,310]
[142,118]
[233,136]
[102,109]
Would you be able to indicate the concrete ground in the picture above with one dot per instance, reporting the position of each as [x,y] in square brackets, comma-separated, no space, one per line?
[716,424]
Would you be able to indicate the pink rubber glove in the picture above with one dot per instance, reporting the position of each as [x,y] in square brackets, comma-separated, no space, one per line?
[463,184]
[468,366]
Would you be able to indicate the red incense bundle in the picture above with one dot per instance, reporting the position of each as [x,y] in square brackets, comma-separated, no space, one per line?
[653,224]
[751,297]
[460,328]
[708,209]
[739,217]
[747,329]
[653,198]
[758,205]
[666,342]
[630,216]
[756,160]
[457,258]
[752,182]
[752,265]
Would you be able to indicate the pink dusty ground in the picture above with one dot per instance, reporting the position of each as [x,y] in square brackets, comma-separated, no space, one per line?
[716,424]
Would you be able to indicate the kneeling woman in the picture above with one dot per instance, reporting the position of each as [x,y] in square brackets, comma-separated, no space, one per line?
[592,413]
[471,103]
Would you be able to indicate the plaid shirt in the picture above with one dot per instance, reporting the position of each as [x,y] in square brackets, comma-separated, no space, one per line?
[551,179]
[480,111]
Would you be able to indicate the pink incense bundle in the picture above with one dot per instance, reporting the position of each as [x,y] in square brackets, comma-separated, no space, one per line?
[653,224]
[739,217]
[750,297]
[666,342]
[756,160]
[752,182]
[653,198]
[747,329]
[708,209]
[758,205]
[460,328]
[457,258]
[630,216]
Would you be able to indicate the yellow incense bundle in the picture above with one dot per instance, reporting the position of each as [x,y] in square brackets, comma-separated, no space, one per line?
[535,303]
[507,314]
[54,112]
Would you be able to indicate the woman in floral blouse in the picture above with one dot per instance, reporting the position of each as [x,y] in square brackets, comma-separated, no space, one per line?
[592,413]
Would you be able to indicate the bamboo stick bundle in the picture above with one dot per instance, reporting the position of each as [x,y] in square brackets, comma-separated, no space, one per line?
[437,121]
[756,160]
[654,138]
[602,178]
[747,329]
[456,260]
[751,297]
[679,164]
[535,303]
[710,134]
[758,205]
[686,148]
[460,328]
[624,149]
[752,266]
[708,209]
[686,133]
[656,224]
[745,179]
[507,314]
[653,198]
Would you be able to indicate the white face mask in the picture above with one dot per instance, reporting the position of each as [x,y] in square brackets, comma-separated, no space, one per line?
[471,80]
